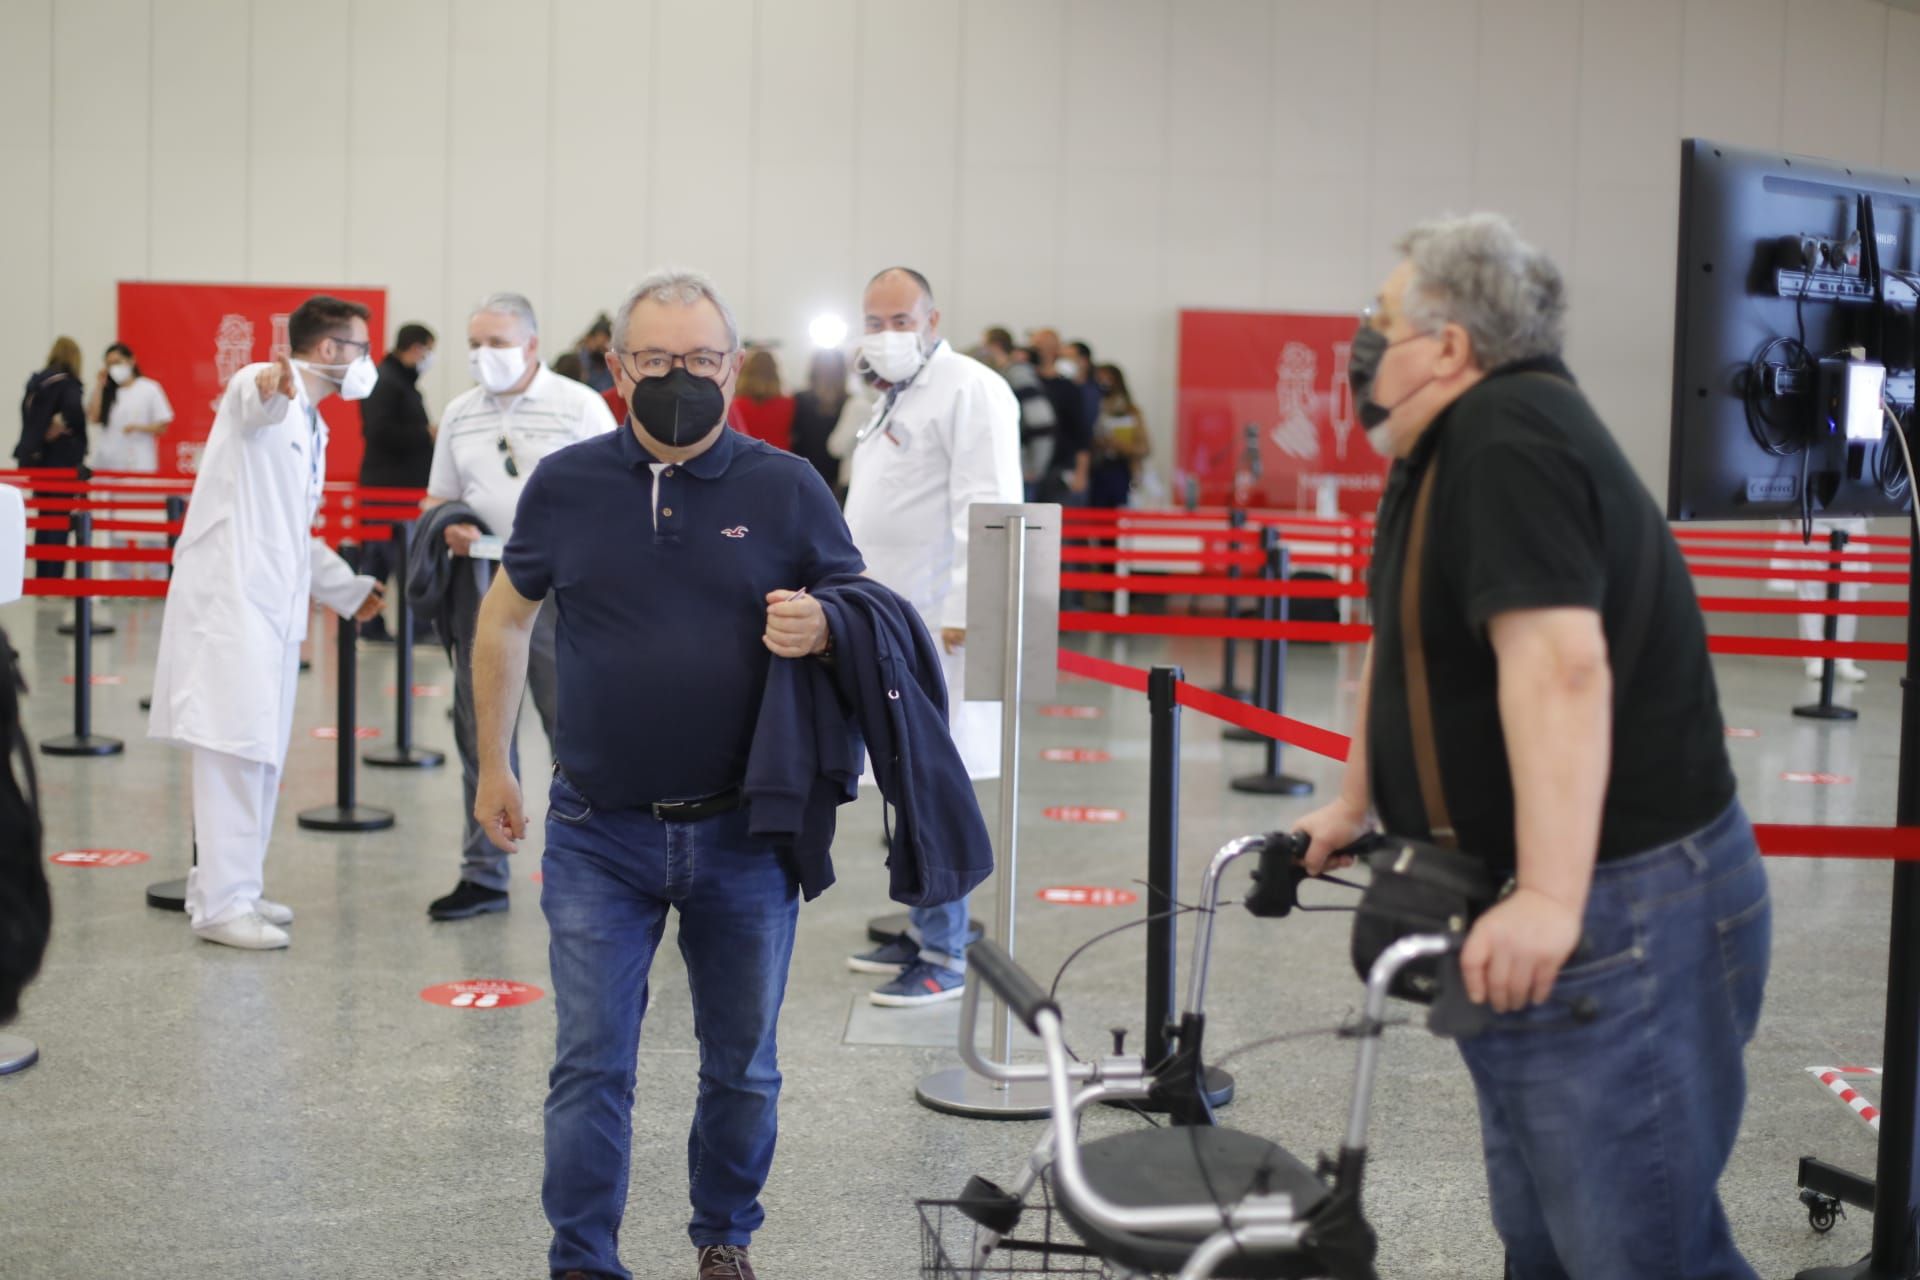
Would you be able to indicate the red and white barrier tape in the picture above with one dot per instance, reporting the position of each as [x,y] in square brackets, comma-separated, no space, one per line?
[1835,1080]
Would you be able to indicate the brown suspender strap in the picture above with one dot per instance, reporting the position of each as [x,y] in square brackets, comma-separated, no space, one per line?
[1426,751]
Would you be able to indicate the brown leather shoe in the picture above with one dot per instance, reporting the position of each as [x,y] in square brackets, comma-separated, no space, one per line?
[725,1262]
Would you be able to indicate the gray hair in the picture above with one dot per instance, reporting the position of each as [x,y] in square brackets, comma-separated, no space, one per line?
[509,304]
[1478,273]
[679,287]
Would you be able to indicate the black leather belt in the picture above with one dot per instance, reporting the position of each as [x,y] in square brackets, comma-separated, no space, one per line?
[694,810]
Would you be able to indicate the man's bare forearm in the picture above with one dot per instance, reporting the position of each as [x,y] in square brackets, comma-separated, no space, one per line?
[1355,793]
[1556,711]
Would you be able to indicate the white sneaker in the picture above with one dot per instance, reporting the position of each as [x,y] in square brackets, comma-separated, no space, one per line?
[1813,668]
[273,912]
[1850,671]
[248,932]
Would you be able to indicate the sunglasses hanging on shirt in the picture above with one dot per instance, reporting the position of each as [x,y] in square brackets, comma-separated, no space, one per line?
[506,454]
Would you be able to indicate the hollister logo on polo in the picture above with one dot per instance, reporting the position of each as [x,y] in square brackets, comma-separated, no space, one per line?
[738,531]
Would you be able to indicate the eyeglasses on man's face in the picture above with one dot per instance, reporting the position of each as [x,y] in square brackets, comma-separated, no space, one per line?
[653,363]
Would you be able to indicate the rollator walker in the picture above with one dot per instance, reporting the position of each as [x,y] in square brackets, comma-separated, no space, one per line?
[1190,1200]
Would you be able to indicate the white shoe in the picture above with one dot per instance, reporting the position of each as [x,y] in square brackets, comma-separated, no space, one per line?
[273,912]
[248,932]
[1813,668]
[1850,671]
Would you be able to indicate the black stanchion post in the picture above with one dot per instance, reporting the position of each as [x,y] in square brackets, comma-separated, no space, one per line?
[176,512]
[1263,647]
[95,626]
[346,813]
[1825,709]
[170,895]
[402,754]
[1229,649]
[1890,1194]
[83,741]
[1163,881]
[1273,680]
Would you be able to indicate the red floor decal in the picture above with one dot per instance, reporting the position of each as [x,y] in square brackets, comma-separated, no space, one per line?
[1075,755]
[1059,712]
[97,680]
[1743,733]
[1087,895]
[481,993]
[331,732]
[420,690]
[99,858]
[1082,813]
[1820,779]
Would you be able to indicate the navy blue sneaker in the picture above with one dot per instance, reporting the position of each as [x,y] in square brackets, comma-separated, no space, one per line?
[890,957]
[921,983]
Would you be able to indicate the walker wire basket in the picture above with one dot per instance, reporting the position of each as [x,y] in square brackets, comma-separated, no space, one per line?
[1037,1242]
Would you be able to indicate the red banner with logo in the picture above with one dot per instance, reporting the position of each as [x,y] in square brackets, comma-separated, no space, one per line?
[191,338]
[1265,414]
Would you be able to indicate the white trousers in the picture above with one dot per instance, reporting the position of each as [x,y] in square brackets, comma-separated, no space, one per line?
[1813,626]
[234,800]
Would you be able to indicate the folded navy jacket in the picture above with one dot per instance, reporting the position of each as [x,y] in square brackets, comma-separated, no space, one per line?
[883,689]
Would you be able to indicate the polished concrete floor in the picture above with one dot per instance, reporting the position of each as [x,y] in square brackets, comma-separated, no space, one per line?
[206,1112]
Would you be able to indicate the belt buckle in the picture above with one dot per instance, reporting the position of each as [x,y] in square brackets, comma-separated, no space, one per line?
[664,810]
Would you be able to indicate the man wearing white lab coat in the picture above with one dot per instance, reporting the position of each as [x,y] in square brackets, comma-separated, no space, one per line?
[244,572]
[944,435]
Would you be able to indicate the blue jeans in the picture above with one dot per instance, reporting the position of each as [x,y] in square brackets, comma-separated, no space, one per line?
[942,934]
[1608,1112]
[609,878]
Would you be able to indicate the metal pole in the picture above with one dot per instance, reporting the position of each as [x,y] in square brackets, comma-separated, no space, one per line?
[176,512]
[402,754]
[1009,860]
[1895,1238]
[346,814]
[1163,856]
[1229,649]
[170,895]
[1263,647]
[1273,682]
[83,741]
[1825,708]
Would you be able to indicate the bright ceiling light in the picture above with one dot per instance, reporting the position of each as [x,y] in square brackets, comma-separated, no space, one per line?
[827,331]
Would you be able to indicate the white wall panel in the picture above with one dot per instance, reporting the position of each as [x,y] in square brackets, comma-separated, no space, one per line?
[1426,64]
[199,121]
[1835,116]
[26,151]
[1216,230]
[100,226]
[1629,91]
[397,169]
[1733,59]
[498,162]
[1219,112]
[1899,137]
[1322,87]
[1117,84]
[600,143]
[702,89]
[298,129]
[1525,117]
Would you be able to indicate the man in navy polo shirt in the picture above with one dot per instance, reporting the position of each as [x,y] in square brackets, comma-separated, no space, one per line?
[672,548]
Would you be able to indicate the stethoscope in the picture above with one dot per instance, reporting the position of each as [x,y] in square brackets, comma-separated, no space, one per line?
[894,393]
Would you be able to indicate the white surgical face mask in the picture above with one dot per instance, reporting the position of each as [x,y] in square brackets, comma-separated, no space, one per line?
[895,356]
[355,379]
[497,368]
[120,373]
[1067,368]
[426,363]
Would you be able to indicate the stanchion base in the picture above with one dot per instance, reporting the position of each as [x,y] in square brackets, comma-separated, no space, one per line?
[1861,1270]
[405,758]
[1284,784]
[882,929]
[92,744]
[1220,1085]
[959,1092]
[332,817]
[1817,711]
[17,1053]
[98,629]
[168,895]
[1234,733]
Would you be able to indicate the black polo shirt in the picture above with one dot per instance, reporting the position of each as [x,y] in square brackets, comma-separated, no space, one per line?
[662,600]
[1534,506]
